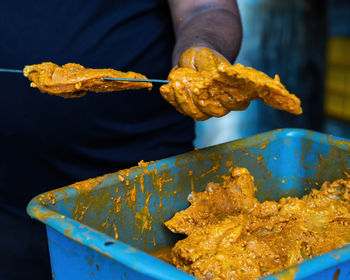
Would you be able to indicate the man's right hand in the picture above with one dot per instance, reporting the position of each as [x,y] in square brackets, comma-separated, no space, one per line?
[188,89]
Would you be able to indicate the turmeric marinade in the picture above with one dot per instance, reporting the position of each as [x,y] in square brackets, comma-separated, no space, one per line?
[74,80]
[219,87]
[231,235]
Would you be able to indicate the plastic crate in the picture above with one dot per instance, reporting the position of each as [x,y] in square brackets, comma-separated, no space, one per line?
[83,219]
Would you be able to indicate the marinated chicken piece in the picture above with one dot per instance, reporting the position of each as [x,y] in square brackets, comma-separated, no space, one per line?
[219,87]
[236,195]
[231,235]
[74,80]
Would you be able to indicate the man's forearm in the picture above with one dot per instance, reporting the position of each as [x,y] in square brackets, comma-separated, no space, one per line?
[215,28]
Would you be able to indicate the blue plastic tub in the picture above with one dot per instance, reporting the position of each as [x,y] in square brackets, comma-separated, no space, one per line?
[83,219]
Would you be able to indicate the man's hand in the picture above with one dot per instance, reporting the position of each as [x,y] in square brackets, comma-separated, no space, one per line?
[208,32]
[191,89]
[200,58]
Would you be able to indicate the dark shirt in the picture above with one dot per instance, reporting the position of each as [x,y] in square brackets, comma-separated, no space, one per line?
[49,142]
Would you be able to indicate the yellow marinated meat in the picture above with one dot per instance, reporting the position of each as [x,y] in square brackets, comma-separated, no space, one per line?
[74,80]
[231,235]
[219,87]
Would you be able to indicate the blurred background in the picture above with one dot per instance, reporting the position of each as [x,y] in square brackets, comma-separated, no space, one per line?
[306,42]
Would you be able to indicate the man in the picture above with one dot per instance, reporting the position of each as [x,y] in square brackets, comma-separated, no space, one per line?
[48,142]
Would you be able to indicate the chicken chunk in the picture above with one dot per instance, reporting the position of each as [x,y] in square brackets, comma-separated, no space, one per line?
[74,80]
[236,195]
[217,87]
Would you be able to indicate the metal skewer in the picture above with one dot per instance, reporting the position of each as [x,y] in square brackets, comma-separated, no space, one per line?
[105,78]
[11,70]
[137,80]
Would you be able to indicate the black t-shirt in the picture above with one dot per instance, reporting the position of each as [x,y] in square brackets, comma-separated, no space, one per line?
[47,141]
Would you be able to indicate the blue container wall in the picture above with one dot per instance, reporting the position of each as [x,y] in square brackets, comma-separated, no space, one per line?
[72,260]
[134,203]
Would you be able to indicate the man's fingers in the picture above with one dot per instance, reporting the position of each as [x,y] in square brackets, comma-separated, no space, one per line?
[187,59]
[200,58]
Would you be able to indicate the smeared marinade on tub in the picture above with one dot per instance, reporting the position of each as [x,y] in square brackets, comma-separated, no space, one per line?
[219,87]
[85,187]
[231,235]
[74,80]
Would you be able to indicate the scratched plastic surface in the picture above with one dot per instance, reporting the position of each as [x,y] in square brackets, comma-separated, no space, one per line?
[83,219]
